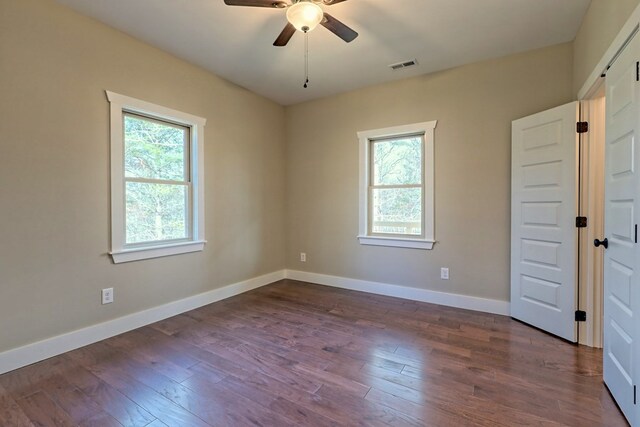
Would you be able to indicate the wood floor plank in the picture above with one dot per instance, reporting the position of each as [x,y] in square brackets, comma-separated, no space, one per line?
[153,402]
[235,409]
[427,414]
[101,419]
[296,354]
[149,356]
[211,374]
[154,341]
[329,378]
[364,411]
[300,415]
[42,411]
[24,382]
[270,387]
[263,364]
[71,399]
[10,412]
[114,403]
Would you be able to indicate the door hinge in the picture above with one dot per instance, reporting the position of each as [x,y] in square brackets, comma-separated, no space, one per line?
[581,316]
[638,71]
[636,236]
[634,395]
[582,127]
[581,221]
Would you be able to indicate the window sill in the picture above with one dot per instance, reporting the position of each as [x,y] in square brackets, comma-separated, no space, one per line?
[146,252]
[397,242]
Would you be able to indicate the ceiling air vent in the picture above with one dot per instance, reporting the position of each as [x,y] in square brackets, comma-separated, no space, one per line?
[404,64]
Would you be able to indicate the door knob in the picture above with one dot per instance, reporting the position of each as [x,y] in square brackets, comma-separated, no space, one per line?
[604,243]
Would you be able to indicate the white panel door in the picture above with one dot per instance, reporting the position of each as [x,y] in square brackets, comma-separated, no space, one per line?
[621,258]
[543,215]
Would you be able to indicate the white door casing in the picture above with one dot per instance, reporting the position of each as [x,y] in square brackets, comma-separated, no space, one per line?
[543,215]
[622,213]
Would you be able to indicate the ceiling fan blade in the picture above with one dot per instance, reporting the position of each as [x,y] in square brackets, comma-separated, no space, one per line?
[330,2]
[278,4]
[338,28]
[285,35]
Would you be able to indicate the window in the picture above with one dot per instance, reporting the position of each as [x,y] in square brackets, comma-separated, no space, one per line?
[396,186]
[157,194]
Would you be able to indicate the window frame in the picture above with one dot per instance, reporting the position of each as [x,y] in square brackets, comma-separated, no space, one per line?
[120,105]
[366,140]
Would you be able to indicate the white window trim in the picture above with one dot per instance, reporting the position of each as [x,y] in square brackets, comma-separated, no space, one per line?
[427,129]
[119,251]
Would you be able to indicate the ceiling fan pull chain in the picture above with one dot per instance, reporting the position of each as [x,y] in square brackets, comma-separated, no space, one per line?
[306,59]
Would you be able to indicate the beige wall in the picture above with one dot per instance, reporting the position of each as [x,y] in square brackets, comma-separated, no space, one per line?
[600,26]
[54,180]
[474,106]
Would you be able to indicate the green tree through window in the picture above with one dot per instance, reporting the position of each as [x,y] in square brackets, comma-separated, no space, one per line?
[156,180]
[397,186]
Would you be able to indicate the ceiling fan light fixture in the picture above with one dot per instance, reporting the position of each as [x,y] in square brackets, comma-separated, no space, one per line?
[304,15]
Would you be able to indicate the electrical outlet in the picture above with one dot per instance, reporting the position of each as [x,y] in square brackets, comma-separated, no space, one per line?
[444,273]
[303,257]
[107,296]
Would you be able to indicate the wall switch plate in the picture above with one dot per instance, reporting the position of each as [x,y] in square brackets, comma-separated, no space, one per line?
[303,257]
[444,273]
[107,296]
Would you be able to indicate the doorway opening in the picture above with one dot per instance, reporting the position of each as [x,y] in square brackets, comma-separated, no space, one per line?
[591,205]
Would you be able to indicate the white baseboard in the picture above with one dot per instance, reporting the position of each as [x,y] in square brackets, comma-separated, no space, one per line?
[31,353]
[452,300]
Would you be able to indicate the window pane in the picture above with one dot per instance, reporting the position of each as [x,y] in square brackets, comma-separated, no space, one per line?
[153,149]
[397,211]
[156,212]
[397,161]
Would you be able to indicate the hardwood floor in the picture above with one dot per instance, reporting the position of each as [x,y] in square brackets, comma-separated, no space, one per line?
[292,354]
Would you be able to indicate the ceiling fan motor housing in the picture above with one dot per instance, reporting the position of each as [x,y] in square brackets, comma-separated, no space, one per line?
[305,15]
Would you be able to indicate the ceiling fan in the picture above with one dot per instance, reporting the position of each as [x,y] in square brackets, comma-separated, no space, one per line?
[303,15]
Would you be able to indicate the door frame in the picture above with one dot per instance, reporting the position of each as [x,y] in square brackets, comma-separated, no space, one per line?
[591,205]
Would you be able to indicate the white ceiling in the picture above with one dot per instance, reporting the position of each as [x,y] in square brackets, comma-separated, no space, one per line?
[236,42]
